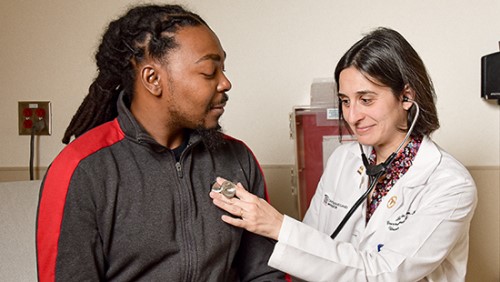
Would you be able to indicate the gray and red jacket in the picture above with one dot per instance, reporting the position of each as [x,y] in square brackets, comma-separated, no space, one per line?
[117,206]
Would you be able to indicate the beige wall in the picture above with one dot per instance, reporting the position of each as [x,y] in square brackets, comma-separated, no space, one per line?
[484,259]
[275,49]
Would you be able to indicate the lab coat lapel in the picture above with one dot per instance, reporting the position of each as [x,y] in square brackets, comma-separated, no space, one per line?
[354,182]
[357,179]
[426,161]
[358,172]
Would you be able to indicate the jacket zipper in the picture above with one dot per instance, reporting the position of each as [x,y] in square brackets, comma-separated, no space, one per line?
[178,167]
[189,258]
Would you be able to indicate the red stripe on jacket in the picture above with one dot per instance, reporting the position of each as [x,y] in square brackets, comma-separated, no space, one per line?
[55,189]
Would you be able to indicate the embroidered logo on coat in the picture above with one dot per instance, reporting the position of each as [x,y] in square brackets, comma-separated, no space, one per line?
[395,224]
[329,202]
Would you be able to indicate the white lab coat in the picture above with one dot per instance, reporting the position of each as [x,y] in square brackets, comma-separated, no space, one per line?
[419,232]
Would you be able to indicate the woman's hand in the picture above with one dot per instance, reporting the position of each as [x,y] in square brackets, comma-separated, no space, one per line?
[251,212]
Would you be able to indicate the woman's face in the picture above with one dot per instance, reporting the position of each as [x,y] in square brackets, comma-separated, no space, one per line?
[371,110]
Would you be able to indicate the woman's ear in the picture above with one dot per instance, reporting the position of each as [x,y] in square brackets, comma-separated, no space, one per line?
[408,95]
[151,79]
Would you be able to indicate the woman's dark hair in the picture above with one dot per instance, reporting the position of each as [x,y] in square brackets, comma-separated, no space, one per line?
[387,57]
[144,31]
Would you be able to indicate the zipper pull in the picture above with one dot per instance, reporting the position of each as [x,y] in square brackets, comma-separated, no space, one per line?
[178,167]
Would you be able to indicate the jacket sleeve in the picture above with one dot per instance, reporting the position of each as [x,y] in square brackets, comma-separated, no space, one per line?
[68,244]
[255,250]
[412,252]
[66,240]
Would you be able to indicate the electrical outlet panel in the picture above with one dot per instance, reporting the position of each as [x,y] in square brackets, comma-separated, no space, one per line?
[34,116]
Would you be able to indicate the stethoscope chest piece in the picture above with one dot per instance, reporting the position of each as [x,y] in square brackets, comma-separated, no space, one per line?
[227,188]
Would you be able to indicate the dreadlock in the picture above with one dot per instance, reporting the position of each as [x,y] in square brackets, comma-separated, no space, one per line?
[143,31]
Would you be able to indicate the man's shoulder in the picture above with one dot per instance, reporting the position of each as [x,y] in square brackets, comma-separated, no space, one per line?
[94,140]
[230,139]
[233,142]
[234,149]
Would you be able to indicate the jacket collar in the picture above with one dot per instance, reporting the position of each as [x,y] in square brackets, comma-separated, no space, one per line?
[135,132]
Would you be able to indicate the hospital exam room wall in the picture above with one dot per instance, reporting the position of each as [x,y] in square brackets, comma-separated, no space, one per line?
[274,51]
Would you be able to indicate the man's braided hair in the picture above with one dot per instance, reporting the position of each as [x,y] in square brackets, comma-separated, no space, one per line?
[144,31]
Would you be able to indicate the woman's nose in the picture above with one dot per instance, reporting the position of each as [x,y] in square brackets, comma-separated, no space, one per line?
[353,114]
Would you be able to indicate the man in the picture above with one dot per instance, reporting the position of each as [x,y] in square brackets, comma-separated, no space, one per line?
[128,200]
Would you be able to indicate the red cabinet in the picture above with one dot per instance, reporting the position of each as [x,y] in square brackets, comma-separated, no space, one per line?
[316,133]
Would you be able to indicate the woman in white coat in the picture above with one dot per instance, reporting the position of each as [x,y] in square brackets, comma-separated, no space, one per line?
[413,224]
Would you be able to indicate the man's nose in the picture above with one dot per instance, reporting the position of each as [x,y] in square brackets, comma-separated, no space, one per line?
[224,84]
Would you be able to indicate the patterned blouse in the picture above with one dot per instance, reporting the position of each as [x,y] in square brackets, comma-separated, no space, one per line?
[395,171]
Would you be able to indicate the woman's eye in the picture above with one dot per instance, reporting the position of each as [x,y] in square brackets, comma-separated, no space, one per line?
[344,102]
[366,101]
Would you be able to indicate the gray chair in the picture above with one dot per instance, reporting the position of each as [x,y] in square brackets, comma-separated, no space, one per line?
[18,206]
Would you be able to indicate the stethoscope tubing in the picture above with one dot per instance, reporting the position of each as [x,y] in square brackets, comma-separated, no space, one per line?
[373,182]
[373,179]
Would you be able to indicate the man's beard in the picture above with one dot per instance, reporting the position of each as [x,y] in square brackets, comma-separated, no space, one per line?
[213,138]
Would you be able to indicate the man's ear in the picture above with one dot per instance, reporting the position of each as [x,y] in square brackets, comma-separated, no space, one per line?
[151,79]
[408,94]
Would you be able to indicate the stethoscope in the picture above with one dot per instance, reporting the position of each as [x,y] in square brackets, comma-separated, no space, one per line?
[374,172]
